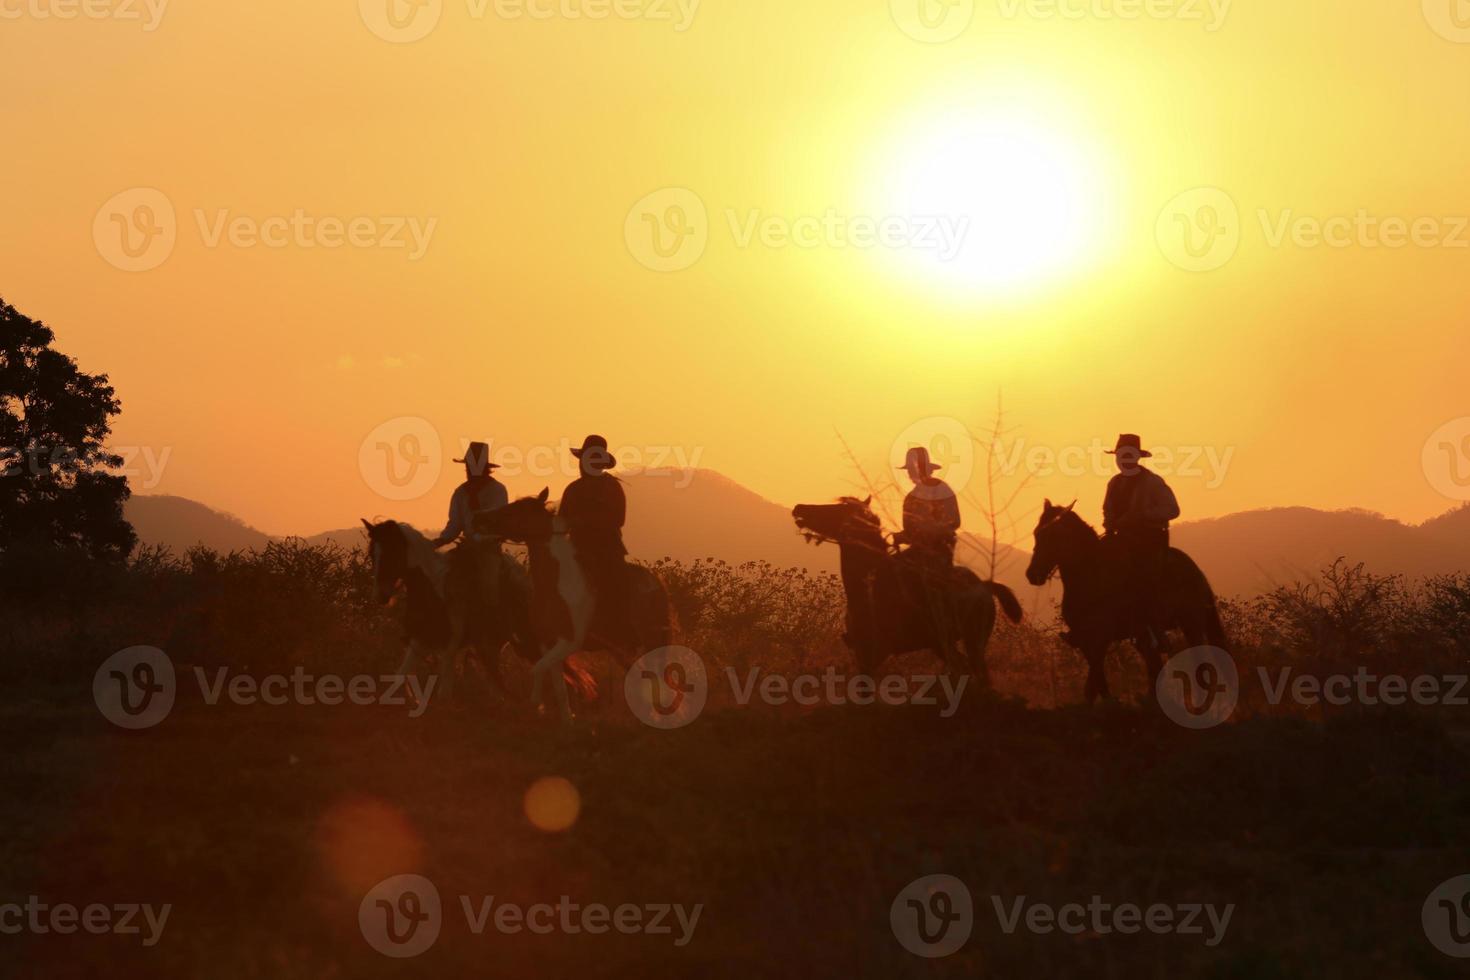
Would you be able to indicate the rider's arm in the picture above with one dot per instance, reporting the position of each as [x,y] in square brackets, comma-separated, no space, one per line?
[1160,506]
[571,506]
[494,496]
[1111,511]
[455,527]
[951,506]
[617,504]
[912,511]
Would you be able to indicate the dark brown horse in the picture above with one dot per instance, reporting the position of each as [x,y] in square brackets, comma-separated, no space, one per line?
[895,604]
[405,562]
[564,608]
[1097,602]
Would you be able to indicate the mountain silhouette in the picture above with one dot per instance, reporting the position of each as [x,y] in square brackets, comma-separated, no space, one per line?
[704,514]
[179,523]
[1254,551]
[684,515]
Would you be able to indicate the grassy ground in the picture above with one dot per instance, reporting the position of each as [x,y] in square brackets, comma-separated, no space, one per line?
[795,829]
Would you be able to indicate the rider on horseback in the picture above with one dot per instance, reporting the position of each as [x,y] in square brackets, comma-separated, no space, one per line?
[594,509]
[931,518]
[474,566]
[931,513]
[1136,513]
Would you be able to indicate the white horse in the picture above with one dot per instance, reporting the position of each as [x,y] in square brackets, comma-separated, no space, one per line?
[564,604]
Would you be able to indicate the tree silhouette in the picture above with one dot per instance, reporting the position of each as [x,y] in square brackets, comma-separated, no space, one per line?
[55,490]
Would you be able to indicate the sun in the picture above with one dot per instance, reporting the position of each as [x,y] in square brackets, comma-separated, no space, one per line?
[1018,198]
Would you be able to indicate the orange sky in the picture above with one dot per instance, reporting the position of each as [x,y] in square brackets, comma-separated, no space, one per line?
[530,311]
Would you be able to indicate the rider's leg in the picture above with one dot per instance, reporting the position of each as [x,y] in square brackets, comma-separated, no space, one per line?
[932,566]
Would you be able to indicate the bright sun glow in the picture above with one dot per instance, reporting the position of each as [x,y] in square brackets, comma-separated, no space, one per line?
[1018,198]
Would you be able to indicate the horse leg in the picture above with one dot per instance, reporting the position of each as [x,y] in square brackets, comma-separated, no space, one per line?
[490,663]
[550,665]
[453,658]
[1150,647]
[1103,691]
[410,659]
[409,667]
[511,622]
[1097,675]
[981,624]
[936,606]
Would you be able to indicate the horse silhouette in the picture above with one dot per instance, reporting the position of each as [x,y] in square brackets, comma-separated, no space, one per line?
[897,605]
[564,613]
[1097,602]
[437,620]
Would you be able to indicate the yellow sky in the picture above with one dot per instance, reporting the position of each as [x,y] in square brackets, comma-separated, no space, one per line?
[517,146]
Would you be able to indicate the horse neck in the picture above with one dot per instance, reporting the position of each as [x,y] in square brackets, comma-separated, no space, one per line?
[422,557]
[1080,566]
[547,554]
[856,560]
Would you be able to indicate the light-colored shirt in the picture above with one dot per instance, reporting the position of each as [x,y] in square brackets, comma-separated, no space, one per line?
[470,498]
[931,512]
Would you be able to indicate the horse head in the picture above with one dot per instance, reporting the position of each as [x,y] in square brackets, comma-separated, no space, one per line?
[520,520]
[848,521]
[1060,536]
[388,549]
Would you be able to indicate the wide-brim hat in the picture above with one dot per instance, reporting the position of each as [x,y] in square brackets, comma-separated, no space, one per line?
[595,453]
[918,458]
[1130,441]
[477,454]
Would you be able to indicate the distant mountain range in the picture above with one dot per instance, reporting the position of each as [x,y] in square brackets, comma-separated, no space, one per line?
[685,516]
[712,516]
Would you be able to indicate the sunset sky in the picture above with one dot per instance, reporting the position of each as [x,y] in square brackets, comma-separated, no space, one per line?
[536,156]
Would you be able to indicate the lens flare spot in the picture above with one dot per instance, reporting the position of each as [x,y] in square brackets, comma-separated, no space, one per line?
[363,841]
[553,804]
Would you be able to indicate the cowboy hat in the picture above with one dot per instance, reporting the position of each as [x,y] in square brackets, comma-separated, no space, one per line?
[594,447]
[477,455]
[918,458]
[1129,441]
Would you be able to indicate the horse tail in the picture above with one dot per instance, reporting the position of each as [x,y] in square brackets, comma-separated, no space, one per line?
[1009,604]
[664,631]
[1209,620]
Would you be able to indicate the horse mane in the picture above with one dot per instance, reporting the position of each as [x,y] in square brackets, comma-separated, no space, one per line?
[423,556]
[558,526]
[1077,521]
[866,506]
